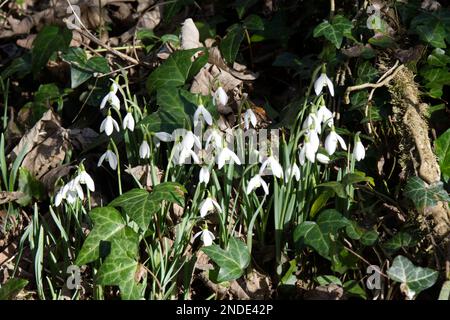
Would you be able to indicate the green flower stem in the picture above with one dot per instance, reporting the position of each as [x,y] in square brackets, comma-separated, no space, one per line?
[116,151]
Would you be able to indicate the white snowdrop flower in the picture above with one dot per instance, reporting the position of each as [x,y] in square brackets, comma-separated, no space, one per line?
[220,97]
[206,236]
[216,138]
[310,152]
[185,154]
[201,110]
[204,175]
[359,152]
[274,165]
[249,117]
[110,157]
[227,155]
[302,156]
[256,182]
[162,136]
[323,81]
[108,125]
[60,195]
[332,140]
[73,191]
[208,205]
[111,97]
[189,140]
[144,150]
[313,139]
[323,158]
[292,171]
[312,121]
[128,122]
[85,178]
[325,115]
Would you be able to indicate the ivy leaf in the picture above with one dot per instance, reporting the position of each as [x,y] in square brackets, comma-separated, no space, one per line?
[424,195]
[49,40]
[353,230]
[353,288]
[11,288]
[330,221]
[231,262]
[168,191]
[433,33]
[334,31]
[442,148]
[309,233]
[229,46]
[328,279]
[369,238]
[438,58]
[415,279]
[108,225]
[398,241]
[254,22]
[177,69]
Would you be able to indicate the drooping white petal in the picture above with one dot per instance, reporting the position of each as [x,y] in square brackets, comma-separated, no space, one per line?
[256,182]
[204,175]
[201,110]
[325,115]
[114,101]
[115,124]
[220,97]
[312,121]
[207,238]
[319,83]
[104,101]
[114,86]
[164,136]
[249,117]
[207,206]
[302,156]
[274,165]
[330,86]
[85,178]
[331,142]
[108,125]
[144,150]
[341,142]
[310,152]
[60,195]
[102,158]
[313,140]
[359,152]
[128,122]
[292,171]
[112,159]
[323,158]
[227,155]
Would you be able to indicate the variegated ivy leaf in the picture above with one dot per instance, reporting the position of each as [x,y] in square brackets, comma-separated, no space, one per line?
[424,195]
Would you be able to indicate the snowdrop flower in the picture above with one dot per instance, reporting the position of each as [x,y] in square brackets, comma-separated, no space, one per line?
[110,157]
[323,158]
[144,150]
[204,175]
[85,178]
[332,140]
[274,165]
[111,97]
[209,205]
[227,155]
[312,120]
[189,140]
[302,156]
[220,97]
[215,137]
[323,81]
[256,182]
[206,236]
[185,154]
[313,139]
[108,125]
[60,195]
[359,152]
[249,117]
[292,171]
[162,136]
[201,110]
[73,191]
[309,149]
[325,115]
[128,122]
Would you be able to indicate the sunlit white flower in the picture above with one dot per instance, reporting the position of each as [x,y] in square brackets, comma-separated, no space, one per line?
[185,154]
[215,137]
[332,140]
[313,139]
[312,121]
[227,155]
[249,117]
[108,125]
[206,236]
[325,115]
[256,182]
[204,175]
[128,122]
[220,97]
[85,178]
[208,205]
[323,81]
[189,140]
[111,97]
[323,158]
[144,150]
[302,156]
[201,110]
[110,157]
[162,136]
[274,165]
[292,171]
[359,152]
[60,195]
[74,191]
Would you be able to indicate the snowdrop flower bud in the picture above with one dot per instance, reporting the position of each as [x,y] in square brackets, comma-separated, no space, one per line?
[249,117]
[323,158]
[206,236]
[108,125]
[201,110]
[331,142]
[220,97]
[292,171]
[128,122]
[110,157]
[209,205]
[323,81]
[204,175]
[359,152]
[144,150]
[256,182]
